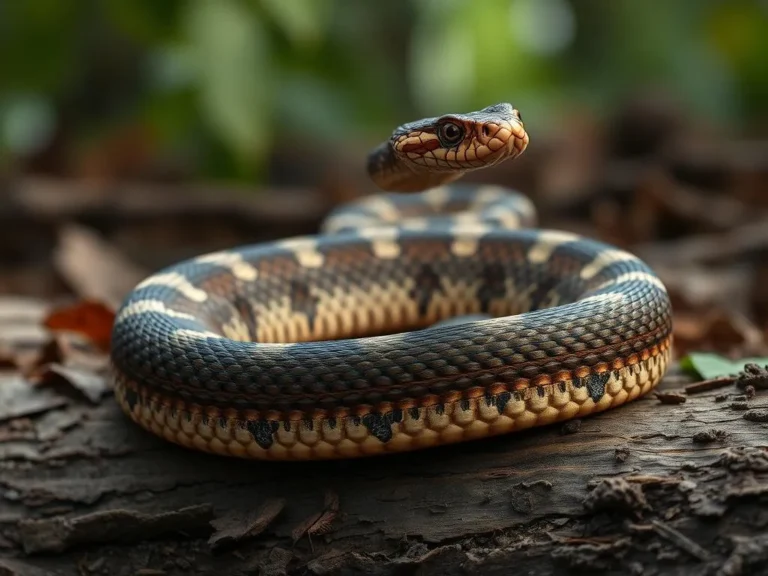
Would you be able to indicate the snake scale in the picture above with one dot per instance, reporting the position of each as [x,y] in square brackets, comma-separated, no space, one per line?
[340,345]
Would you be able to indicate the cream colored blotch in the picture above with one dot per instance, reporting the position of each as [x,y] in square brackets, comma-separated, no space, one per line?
[145,306]
[437,197]
[603,260]
[382,207]
[305,250]
[467,238]
[547,243]
[240,269]
[384,241]
[634,277]
[177,282]
[487,194]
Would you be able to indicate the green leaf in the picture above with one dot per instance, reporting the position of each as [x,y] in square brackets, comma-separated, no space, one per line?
[335,125]
[26,123]
[708,365]
[234,72]
[442,58]
[147,21]
[303,21]
[39,46]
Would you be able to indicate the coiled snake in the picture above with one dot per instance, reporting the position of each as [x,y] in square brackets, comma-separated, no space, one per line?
[325,347]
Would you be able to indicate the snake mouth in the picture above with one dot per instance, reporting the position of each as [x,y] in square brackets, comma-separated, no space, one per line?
[517,144]
[497,142]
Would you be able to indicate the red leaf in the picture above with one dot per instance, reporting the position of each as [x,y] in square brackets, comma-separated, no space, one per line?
[90,318]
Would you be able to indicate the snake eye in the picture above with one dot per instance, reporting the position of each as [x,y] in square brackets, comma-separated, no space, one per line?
[450,134]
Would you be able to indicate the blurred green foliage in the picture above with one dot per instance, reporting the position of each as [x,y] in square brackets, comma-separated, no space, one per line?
[220,81]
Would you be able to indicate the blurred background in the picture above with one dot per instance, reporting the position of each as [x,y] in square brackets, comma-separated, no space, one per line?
[136,132]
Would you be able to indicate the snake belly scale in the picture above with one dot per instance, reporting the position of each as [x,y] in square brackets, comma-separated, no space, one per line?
[325,346]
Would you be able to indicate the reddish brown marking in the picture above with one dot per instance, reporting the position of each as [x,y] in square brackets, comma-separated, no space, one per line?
[521,384]
[497,388]
[582,371]
[407,404]
[341,413]
[386,406]
[542,380]
[347,256]
[278,265]
[429,400]
[219,283]
[562,376]
[422,147]
[452,396]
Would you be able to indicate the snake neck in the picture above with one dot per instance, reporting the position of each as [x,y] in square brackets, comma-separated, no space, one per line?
[389,173]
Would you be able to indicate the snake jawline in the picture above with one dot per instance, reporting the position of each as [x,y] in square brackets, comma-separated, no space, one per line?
[388,428]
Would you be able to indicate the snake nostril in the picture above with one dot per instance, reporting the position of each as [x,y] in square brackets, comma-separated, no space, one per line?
[486,131]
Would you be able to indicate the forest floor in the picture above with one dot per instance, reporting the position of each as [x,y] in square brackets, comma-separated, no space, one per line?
[673,483]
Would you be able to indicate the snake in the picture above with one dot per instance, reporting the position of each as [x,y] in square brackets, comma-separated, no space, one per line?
[428,313]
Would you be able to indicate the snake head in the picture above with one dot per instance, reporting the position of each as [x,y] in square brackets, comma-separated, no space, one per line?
[439,150]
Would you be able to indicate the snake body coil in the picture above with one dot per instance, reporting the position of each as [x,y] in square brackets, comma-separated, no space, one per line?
[325,346]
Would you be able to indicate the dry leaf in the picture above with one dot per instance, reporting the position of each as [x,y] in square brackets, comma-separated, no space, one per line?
[303,527]
[53,424]
[95,269]
[90,318]
[239,526]
[19,398]
[71,349]
[716,330]
[323,524]
[87,383]
[319,523]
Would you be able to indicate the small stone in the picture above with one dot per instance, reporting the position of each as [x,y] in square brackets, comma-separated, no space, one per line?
[753,375]
[616,494]
[707,436]
[571,427]
[621,454]
[756,415]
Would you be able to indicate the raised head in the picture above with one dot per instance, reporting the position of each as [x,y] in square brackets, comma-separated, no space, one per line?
[439,150]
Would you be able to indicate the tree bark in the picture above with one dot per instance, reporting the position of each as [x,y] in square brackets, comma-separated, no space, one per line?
[648,488]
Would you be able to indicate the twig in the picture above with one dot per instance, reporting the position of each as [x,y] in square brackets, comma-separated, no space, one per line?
[680,539]
[669,398]
[711,384]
